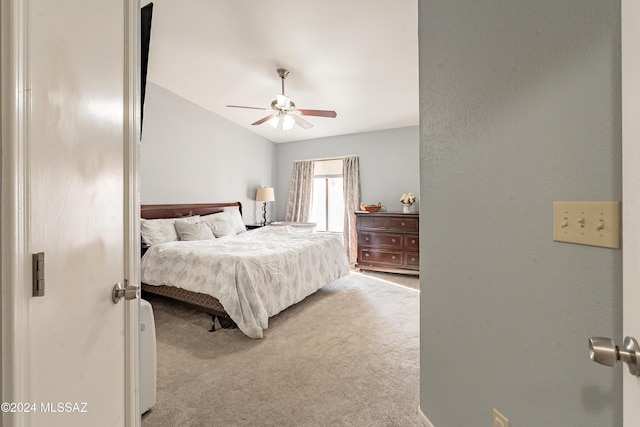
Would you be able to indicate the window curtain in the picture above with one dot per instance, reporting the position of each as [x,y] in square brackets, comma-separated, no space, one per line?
[300,192]
[351,183]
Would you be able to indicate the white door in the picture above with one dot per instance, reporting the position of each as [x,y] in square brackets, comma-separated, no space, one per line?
[631,196]
[69,73]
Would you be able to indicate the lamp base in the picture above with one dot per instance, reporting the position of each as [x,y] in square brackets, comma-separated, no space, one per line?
[264,214]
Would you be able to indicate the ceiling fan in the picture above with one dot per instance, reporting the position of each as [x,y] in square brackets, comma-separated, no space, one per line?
[284,113]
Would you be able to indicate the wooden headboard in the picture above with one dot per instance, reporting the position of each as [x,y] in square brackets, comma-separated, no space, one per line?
[180,210]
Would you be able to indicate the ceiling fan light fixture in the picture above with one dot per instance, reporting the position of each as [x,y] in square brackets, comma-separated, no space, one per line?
[283,101]
[287,122]
[273,121]
[282,122]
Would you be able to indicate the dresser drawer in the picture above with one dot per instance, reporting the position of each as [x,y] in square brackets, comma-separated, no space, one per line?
[412,259]
[371,222]
[380,240]
[403,224]
[412,243]
[377,256]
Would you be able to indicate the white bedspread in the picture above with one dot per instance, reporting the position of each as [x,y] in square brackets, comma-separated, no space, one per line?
[255,275]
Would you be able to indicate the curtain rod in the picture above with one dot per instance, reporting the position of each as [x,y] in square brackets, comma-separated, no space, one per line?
[327,158]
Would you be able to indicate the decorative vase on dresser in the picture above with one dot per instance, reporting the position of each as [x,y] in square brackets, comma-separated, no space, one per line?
[388,241]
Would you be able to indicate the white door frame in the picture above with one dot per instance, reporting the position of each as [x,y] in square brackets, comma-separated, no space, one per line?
[132,205]
[16,259]
[630,20]
[15,266]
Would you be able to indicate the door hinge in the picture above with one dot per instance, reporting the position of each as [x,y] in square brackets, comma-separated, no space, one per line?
[38,274]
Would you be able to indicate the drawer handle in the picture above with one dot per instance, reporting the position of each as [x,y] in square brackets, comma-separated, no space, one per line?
[413,258]
[413,241]
[393,257]
[402,223]
[366,238]
[367,254]
[393,240]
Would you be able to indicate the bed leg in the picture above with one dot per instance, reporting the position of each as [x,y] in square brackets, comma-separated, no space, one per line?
[227,323]
[222,322]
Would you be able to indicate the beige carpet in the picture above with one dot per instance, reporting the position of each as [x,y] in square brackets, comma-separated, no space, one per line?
[401,279]
[346,356]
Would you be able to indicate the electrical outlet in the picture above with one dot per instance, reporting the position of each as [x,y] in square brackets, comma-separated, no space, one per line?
[499,420]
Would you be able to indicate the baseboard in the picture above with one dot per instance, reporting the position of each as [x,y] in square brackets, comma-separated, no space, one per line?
[423,418]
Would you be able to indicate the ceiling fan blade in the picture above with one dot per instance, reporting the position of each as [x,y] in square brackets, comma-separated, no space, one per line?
[301,122]
[319,113]
[262,120]
[252,108]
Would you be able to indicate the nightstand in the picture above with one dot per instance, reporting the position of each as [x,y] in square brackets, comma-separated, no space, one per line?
[143,248]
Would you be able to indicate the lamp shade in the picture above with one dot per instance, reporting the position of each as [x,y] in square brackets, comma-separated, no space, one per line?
[265,194]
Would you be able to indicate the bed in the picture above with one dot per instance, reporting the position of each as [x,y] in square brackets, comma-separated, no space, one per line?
[244,276]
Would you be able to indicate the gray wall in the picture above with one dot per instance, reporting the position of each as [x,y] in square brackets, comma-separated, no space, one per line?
[388,164]
[191,155]
[520,106]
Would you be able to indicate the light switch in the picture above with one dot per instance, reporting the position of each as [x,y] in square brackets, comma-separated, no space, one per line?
[587,223]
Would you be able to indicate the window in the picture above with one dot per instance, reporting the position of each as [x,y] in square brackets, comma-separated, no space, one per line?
[327,208]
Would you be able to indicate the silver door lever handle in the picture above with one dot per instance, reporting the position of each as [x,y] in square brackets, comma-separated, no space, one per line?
[604,351]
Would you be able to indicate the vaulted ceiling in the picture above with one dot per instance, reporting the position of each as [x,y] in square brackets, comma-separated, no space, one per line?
[357,57]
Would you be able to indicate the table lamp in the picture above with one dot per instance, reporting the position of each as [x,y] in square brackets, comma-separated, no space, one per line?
[265,195]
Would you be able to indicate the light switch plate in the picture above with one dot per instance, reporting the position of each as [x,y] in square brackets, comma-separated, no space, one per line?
[587,223]
[499,420]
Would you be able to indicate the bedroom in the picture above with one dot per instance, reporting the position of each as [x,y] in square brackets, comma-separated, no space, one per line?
[533,92]
[187,128]
[187,148]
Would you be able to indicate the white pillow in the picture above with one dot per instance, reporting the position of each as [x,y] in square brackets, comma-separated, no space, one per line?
[235,219]
[154,231]
[207,218]
[195,231]
[219,224]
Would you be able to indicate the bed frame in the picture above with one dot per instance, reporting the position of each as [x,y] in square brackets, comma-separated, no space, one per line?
[200,301]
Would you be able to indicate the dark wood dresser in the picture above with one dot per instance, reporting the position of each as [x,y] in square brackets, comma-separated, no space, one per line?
[388,241]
